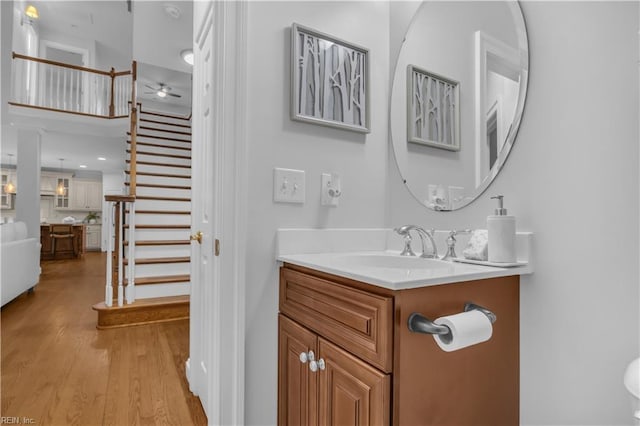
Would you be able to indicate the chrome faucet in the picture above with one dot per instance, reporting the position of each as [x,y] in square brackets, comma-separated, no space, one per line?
[405,232]
[451,243]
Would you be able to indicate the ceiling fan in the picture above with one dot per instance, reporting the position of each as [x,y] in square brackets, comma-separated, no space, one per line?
[162,91]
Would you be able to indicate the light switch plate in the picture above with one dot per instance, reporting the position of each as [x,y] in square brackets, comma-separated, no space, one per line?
[288,185]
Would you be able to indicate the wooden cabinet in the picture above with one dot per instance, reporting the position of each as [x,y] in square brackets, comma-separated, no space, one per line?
[86,195]
[376,371]
[93,237]
[339,389]
[65,249]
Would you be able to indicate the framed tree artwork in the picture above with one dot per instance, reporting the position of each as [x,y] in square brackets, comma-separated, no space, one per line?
[329,80]
[433,112]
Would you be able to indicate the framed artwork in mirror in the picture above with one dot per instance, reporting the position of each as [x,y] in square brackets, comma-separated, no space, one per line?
[433,112]
[329,81]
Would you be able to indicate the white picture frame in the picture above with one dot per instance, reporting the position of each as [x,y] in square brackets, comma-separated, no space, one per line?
[433,109]
[329,81]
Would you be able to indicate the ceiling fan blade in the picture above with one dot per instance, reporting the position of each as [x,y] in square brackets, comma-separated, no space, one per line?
[174,95]
[149,93]
[152,88]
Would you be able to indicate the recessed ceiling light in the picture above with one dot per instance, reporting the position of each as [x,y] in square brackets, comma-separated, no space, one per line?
[82,166]
[187,56]
[102,159]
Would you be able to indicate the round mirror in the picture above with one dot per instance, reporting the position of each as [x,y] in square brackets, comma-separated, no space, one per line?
[457,98]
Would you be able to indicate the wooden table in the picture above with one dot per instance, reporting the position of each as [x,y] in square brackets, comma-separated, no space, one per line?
[64,248]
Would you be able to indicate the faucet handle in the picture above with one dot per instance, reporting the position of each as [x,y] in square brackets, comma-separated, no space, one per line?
[407,251]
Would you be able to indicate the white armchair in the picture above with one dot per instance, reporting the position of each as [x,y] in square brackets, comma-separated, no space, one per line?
[19,259]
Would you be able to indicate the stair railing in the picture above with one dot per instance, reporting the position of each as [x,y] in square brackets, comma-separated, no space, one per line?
[117,217]
[56,86]
[114,288]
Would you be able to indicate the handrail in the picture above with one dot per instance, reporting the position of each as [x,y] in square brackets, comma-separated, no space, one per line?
[56,86]
[70,66]
[133,131]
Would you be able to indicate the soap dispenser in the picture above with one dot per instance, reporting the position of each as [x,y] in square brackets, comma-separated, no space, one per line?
[502,235]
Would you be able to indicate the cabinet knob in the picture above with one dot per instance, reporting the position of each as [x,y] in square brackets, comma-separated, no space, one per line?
[307,356]
[317,365]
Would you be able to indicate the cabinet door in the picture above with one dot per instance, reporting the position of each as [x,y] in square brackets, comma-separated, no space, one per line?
[351,392]
[62,197]
[79,195]
[297,385]
[94,196]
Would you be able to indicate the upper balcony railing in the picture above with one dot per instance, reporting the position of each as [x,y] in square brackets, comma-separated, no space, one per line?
[56,86]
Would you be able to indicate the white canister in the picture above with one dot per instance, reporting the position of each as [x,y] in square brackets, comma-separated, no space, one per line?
[501,235]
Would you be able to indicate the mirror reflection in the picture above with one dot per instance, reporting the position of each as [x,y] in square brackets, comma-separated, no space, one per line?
[457,98]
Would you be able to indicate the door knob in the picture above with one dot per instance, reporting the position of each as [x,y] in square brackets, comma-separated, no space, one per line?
[197,237]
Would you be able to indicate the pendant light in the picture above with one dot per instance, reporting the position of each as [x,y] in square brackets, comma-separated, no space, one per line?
[61,190]
[10,187]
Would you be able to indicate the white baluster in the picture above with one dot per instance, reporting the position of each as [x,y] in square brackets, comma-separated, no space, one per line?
[120,256]
[64,89]
[108,298]
[77,90]
[58,88]
[50,103]
[130,294]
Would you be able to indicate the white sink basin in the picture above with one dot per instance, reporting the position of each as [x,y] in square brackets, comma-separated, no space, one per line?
[391,261]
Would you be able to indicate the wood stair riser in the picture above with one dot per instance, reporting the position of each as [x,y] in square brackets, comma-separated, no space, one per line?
[162,290]
[150,127]
[147,115]
[162,168]
[160,157]
[179,149]
[163,205]
[159,219]
[162,180]
[183,134]
[162,138]
[161,234]
[163,192]
[161,251]
[160,270]
[158,123]
[142,313]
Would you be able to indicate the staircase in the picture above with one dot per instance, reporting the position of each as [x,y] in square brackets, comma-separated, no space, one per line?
[162,222]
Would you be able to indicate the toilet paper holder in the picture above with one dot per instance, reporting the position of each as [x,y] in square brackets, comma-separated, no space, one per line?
[418,323]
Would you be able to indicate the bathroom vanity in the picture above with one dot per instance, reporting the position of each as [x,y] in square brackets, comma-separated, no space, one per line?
[347,356]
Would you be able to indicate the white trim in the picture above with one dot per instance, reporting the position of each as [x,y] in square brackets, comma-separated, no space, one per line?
[225,390]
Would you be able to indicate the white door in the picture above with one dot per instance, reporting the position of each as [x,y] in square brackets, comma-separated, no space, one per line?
[204,262]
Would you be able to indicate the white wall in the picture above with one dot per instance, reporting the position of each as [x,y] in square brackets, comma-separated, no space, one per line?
[572,178]
[276,141]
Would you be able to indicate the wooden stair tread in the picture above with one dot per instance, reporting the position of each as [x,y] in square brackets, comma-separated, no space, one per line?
[158,198]
[160,154]
[143,311]
[159,242]
[164,123]
[156,129]
[157,145]
[159,211]
[159,226]
[168,175]
[159,260]
[165,138]
[155,185]
[151,163]
[159,114]
[164,279]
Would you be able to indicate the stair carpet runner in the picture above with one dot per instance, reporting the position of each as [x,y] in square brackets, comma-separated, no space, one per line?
[162,207]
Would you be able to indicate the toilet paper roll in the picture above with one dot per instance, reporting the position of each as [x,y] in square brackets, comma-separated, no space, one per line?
[467,328]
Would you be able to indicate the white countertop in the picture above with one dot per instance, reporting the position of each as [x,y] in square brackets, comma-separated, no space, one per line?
[365,255]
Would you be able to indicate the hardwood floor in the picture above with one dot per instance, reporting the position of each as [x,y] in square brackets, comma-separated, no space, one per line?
[58,369]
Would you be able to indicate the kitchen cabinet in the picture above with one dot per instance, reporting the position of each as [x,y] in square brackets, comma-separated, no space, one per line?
[93,237]
[7,198]
[62,191]
[86,195]
[346,356]
[64,248]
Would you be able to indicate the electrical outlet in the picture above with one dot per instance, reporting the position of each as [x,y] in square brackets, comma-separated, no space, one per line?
[288,186]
